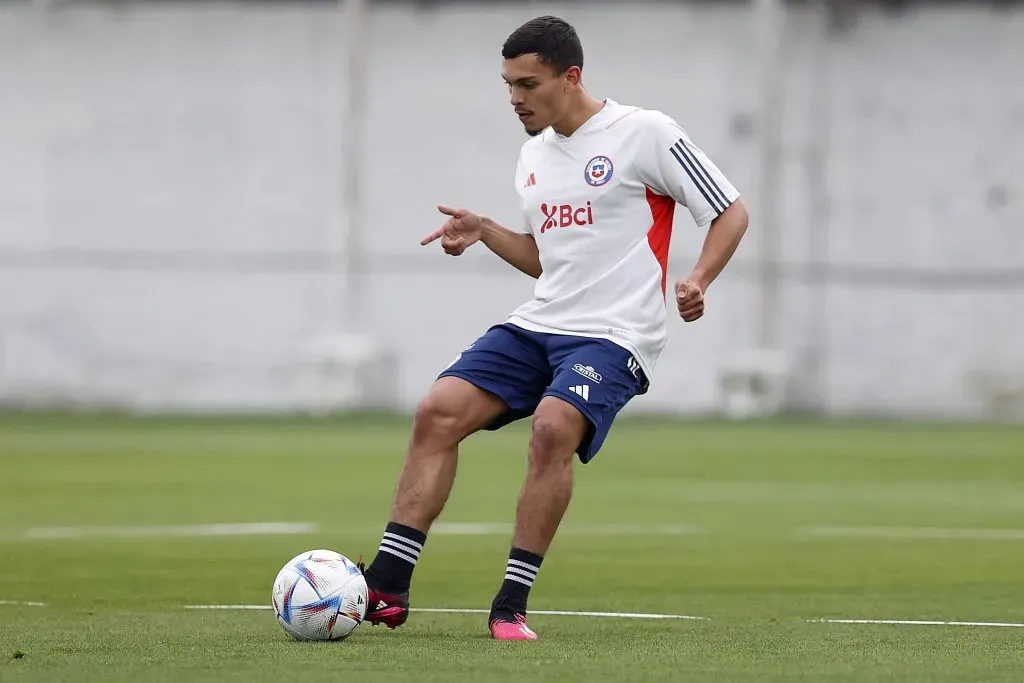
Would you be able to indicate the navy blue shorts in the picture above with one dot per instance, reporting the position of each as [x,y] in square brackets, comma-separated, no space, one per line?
[521,367]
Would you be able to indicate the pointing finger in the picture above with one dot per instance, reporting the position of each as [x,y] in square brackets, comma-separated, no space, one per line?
[432,236]
[450,211]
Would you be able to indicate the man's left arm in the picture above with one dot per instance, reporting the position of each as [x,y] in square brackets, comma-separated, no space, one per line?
[723,238]
[680,169]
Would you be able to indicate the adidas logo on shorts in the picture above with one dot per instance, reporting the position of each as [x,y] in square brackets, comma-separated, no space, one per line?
[582,390]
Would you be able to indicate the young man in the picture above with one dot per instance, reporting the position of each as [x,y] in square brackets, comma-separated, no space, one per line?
[599,182]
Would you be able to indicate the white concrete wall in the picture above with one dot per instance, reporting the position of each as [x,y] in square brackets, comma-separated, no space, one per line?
[158,131]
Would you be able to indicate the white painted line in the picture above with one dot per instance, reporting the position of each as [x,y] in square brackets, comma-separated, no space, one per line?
[23,603]
[913,533]
[914,622]
[559,613]
[496,529]
[229,607]
[946,495]
[444,610]
[499,529]
[469,529]
[298,528]
[636,530]
[244,529]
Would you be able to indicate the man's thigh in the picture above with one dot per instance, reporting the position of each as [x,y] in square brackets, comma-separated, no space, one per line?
[598,379]
[509,363]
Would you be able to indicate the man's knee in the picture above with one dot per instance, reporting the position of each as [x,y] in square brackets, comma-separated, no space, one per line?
[558,429]
[452,410]
[435,418]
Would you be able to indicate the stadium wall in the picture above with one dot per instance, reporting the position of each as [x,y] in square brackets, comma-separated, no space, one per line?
[172,212]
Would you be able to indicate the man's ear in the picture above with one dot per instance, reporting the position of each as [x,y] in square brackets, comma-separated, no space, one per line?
[573,75]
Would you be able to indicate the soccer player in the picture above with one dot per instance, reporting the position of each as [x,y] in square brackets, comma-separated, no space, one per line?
[599,182]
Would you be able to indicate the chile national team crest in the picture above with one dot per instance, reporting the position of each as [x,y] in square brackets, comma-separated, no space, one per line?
[598,171]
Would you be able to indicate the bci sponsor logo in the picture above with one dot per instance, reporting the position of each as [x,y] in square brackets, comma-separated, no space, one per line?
[565,216]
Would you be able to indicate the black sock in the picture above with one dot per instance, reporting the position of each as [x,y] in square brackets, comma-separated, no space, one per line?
[391,569]
[520,573]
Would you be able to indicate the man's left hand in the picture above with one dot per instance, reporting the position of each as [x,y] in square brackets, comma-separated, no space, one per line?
[689,300]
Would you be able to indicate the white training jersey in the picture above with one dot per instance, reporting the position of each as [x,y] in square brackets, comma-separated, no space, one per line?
[600,204]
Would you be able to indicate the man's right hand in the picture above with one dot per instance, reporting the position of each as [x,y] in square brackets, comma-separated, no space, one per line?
[462,230]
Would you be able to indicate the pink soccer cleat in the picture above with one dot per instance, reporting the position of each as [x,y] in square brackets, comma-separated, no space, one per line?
[511,629]
[390,609]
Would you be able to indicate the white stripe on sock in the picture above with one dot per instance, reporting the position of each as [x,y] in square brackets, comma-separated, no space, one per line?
[513,577]
[522,574]
[394,545]
[397,553]
[413,545]
[525,565]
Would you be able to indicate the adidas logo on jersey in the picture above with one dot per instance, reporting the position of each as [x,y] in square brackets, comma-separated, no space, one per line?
[582,390]
[531,181]
[565,216]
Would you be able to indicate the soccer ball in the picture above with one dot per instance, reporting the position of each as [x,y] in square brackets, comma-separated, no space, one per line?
[319,595]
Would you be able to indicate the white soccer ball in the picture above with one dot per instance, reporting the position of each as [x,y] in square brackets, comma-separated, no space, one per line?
[319,595]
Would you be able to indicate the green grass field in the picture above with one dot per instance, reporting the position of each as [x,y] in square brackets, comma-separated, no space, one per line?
[759,528]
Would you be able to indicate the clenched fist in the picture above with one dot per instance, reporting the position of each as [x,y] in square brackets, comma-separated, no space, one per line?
[689,300]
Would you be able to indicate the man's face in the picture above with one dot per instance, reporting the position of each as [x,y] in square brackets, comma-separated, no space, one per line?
[539,96]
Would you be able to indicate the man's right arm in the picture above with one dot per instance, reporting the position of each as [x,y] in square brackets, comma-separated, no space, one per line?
[515,248]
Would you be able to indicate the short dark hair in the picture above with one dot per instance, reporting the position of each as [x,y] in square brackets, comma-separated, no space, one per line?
[552,39]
